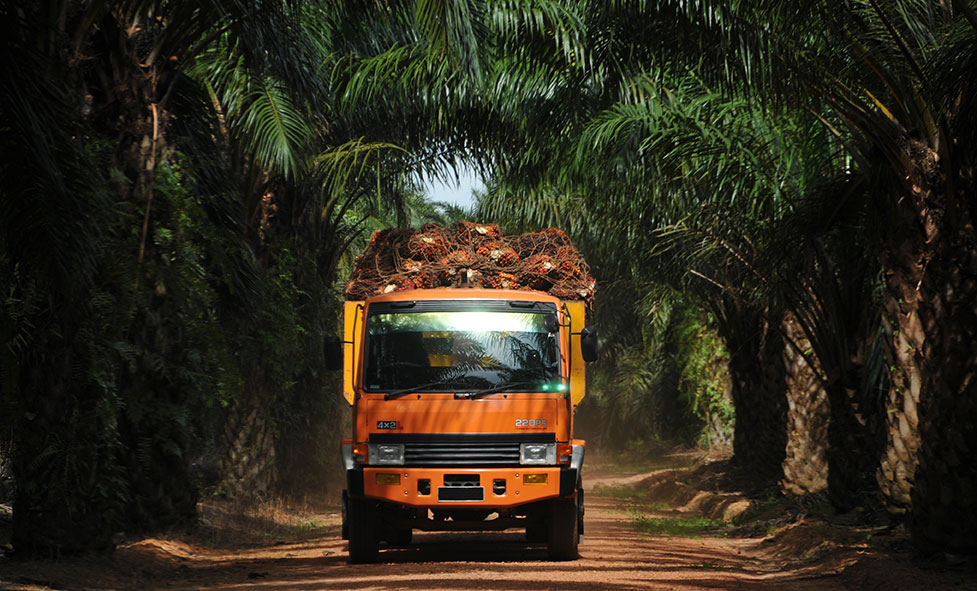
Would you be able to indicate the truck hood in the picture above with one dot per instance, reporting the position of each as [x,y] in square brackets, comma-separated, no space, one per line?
[444,414]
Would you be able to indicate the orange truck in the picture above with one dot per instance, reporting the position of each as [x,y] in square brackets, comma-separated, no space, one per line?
[463,401]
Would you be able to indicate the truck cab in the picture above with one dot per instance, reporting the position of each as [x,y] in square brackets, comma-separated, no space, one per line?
[463,402]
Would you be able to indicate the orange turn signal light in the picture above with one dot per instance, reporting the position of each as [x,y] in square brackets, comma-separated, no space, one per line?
[534,478]
[384,478]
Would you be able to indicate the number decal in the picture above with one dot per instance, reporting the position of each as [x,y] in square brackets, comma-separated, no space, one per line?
[531,423]
[386,424]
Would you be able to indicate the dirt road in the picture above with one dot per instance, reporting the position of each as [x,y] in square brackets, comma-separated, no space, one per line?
[613,557]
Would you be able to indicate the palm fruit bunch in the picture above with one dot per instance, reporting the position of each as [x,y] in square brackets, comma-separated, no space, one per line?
[503,281]
[498,251]
[430,243]
[469,232]
[479,255]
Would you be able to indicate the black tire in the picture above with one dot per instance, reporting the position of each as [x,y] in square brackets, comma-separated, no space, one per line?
[536,533]
[364,539]
[580,511]
[564,535]
[400,537]
[345,513]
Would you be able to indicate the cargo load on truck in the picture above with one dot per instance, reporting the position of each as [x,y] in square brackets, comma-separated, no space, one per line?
[470,254]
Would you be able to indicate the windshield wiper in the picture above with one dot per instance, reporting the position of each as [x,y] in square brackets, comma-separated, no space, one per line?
[500,388]
[412,389]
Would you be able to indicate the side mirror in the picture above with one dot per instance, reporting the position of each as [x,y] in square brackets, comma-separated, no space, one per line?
[588,344]
[333,346]
[550,323]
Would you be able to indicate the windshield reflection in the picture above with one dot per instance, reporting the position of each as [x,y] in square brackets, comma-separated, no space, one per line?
[460,350]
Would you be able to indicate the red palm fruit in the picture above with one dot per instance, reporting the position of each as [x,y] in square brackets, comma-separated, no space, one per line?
[457,257]
[504,281]
[429,246]
[424,280]
[469,232]
[412,266]
[397,283]
[539,264]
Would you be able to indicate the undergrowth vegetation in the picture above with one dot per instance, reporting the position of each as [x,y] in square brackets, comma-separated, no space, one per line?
[670,386]
[236,524]
[690,527]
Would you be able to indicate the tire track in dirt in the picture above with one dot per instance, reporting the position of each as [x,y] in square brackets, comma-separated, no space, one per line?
[613,556]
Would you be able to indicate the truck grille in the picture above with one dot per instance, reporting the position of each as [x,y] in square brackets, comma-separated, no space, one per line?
[481,450]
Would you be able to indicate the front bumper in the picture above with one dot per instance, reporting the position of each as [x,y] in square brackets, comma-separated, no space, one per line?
[469,488]
[455,487]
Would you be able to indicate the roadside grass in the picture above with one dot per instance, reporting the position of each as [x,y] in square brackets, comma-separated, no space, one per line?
[237,523]
[650,515]
[624,494]
[647,518]
[637,461]
[629,466]
[688,527]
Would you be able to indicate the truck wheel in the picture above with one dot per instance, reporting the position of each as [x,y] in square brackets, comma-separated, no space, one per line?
[564,535]
[400,536]
[364,540]
[536,533]
[345,512]
[580,511]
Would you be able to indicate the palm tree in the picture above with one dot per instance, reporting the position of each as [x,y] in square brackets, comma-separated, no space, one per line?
[102,390]
[889,77]
[887,81]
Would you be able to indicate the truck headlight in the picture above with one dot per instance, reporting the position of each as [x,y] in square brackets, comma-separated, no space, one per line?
[537,453]
[386,454]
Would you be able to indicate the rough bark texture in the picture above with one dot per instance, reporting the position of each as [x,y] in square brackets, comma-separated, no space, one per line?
[944,500]
[808,415]
[931,264]
[248,462]
[757,372]
[898,465]
[854,447]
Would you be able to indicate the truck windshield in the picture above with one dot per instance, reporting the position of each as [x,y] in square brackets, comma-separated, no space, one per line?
[461,350]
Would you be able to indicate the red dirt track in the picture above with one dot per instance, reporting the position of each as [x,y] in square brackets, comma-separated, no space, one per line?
[613,557]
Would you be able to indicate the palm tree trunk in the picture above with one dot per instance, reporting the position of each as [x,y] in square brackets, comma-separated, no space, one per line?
[759,391]
[71,488]
[931,264]
[944,499]
[808,416]
[248,442]
[854,447]
[898,467]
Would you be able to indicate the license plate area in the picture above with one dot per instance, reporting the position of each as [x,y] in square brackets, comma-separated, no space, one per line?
[461,493]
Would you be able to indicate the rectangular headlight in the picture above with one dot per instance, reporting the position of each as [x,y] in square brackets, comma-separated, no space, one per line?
[386,454]
[537,453]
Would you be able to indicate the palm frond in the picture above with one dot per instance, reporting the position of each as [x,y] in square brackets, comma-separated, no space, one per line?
[277,132]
